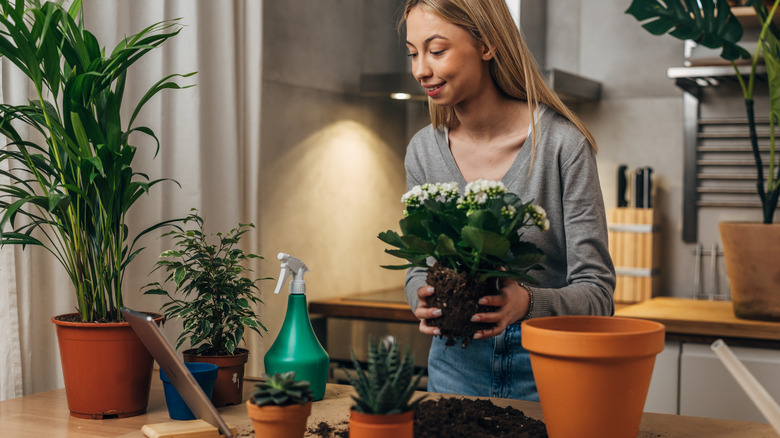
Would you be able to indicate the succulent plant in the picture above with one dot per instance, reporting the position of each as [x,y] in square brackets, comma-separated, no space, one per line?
[281,390]
[388,382]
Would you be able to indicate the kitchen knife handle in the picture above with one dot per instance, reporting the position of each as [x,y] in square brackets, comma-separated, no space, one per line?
[639,188]
[622,186]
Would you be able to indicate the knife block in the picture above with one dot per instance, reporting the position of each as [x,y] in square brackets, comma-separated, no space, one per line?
[633,245]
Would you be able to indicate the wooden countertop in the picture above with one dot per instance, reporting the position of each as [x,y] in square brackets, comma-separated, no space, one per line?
[704,320]
[382,305]
[685,319]
[46,415]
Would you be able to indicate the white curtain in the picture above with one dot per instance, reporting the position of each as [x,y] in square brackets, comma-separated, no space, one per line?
[10,352]
[209,138]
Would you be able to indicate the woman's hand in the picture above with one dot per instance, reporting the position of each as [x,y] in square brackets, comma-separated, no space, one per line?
[424,312]
[512,302]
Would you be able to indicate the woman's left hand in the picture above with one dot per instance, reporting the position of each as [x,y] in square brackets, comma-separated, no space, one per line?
[512,302]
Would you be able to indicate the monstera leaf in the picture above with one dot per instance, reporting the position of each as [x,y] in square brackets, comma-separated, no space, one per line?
[707,22]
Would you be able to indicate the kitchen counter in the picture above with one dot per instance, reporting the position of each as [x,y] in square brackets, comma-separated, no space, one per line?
[685,319]
[704,321]
[46,414]
[381,305]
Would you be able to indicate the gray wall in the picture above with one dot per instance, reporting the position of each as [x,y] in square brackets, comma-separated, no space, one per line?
[331,160]
[638,122]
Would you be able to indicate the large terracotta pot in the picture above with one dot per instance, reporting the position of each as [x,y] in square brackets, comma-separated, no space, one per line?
[279,421]
[106,367]
[751,252]
[592,372]
[228,388]
[380,425]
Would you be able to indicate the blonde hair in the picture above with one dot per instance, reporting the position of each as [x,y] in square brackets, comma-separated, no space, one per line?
[512,67]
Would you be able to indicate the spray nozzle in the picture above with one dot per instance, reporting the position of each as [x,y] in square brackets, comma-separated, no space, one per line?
[296,268]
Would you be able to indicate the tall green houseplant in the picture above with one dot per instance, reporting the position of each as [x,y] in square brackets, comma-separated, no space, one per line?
[71,191]
[712,24]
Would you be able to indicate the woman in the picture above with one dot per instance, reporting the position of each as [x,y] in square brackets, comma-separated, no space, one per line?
[492,117]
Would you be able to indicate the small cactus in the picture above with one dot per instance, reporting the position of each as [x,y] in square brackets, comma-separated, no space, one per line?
[281,390]
[388,383]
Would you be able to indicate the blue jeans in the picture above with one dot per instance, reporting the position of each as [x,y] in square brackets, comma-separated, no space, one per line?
[495,367]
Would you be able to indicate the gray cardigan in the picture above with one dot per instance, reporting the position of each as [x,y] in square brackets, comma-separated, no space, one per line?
[578,276]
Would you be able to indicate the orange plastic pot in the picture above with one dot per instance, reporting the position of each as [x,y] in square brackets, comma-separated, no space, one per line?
[592,372]
[228,388]
[381,425]
[279,421]
[106,368]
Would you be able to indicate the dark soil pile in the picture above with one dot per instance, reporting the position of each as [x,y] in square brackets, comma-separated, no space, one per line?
[461,418]
[457,294]
[325,430]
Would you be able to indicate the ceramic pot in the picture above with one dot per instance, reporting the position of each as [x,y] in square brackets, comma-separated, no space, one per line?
[230,378]
[106,367]
[381,425]
[751,252]
[592,372]
[204,373]
[279,421]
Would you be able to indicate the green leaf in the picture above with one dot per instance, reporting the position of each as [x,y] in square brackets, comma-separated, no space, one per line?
[707,22]
[179,275]
[391,238]
[445,246]
[485,242]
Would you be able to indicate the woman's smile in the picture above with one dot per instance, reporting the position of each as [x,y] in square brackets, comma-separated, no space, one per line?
[433,90]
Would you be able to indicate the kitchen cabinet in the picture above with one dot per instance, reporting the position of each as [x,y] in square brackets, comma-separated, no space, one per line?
[688,378]
[707,389]
[663,395]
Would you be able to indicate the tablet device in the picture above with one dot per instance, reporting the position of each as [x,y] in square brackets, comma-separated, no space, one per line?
[181,378]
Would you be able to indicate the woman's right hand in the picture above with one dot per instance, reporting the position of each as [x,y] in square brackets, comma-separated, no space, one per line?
[423,312]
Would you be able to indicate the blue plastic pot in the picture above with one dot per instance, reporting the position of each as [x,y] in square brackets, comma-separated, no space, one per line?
[205,374]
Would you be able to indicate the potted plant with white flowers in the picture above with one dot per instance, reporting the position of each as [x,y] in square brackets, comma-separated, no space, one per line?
[72,186]
[750,249]
[474,240]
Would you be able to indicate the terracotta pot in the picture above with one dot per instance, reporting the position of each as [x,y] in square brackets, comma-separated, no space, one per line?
[230,377]
[279,421]
[381,425]
[106,367]
[751,252]
[592,372]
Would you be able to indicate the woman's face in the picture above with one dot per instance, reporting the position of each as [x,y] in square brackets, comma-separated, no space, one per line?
[445,59]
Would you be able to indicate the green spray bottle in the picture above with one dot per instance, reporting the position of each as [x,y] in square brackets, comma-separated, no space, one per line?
[297,348]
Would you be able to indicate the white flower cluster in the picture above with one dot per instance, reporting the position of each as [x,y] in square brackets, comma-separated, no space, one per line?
[508,211]
[537,214]
[480,192]
[440,192]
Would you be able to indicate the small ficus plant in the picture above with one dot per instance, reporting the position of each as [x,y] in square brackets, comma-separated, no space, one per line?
[208,273]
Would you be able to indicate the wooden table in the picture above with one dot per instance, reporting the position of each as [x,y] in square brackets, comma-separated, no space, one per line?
[46,415]
[704,321]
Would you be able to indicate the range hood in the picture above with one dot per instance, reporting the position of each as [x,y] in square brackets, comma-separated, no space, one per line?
[570,87]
